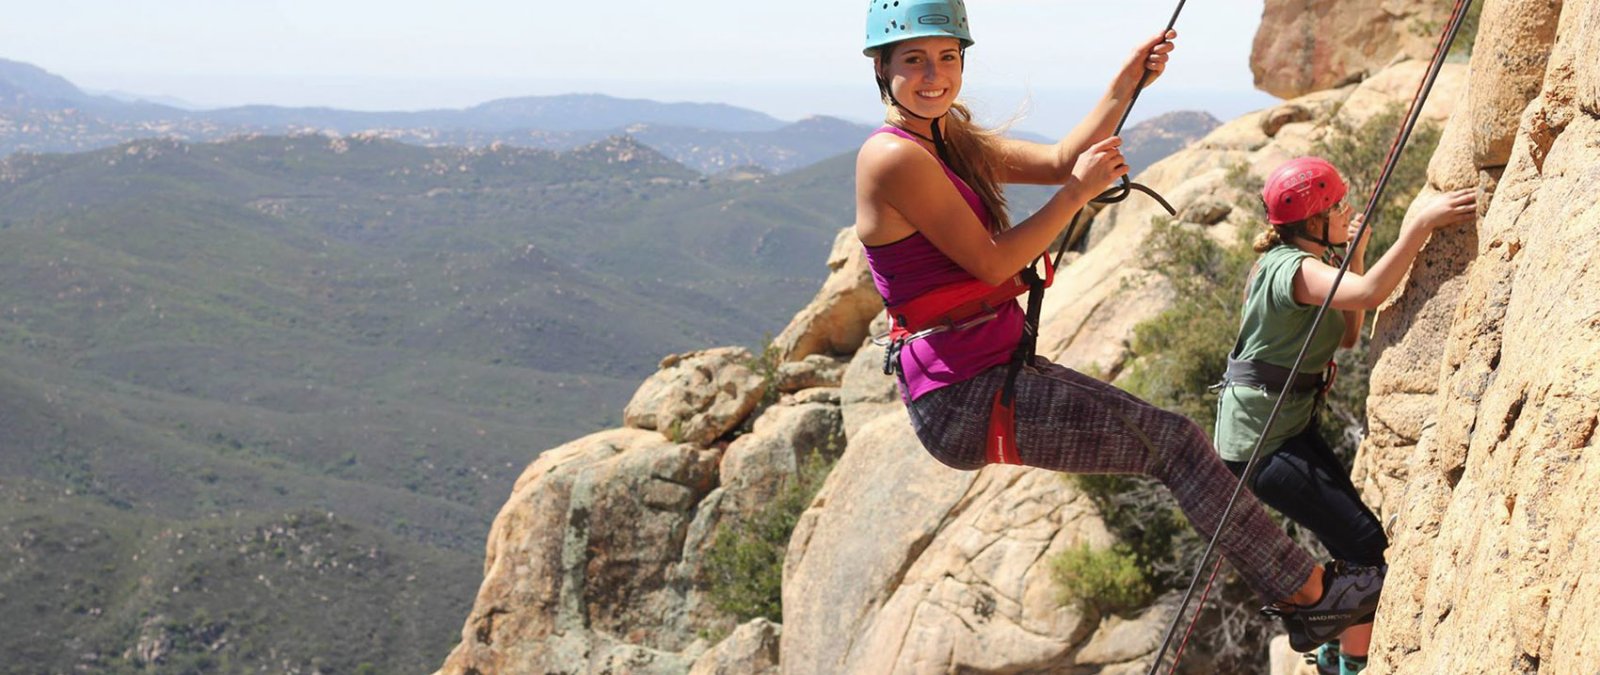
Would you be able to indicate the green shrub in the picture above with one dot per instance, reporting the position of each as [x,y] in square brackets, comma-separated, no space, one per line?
[1181,352]
[745,564]
[1107,580]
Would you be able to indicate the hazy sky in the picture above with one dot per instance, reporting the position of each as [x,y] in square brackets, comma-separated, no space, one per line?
[783,58]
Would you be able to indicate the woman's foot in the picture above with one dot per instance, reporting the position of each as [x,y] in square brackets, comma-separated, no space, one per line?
[1349,596]
[1326,658]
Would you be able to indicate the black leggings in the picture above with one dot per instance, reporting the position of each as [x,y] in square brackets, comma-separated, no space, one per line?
[1305,481]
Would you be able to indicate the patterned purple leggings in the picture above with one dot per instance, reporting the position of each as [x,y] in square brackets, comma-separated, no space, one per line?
[1068,421]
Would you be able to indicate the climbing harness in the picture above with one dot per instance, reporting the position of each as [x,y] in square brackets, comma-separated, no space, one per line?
[963,305]
[1275,378]
[1413,114]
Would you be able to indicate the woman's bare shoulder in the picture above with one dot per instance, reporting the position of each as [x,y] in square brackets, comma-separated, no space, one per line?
[887,160]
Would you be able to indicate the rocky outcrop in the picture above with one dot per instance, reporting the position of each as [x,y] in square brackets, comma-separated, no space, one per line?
[697,397]
[1304,46]
[1486,403]
[836,320]
[582,567]
[597,562]
[750,650]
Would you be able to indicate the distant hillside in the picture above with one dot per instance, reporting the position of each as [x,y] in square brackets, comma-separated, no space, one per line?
[1152,140]
[41,112]
[204,345]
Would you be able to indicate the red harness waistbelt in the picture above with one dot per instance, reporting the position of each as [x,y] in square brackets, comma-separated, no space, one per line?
[952,305]
[958,306]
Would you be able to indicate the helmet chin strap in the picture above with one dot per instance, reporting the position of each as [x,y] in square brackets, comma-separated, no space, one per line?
[1328,247]
[937,139]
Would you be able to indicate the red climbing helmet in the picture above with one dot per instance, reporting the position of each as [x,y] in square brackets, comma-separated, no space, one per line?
[1301,188]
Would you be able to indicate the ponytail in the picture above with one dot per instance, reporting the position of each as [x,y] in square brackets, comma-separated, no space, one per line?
[1267,239]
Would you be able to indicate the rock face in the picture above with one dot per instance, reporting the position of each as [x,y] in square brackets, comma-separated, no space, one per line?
[1305,46]
[697,397]
[751,650]
[1485,396]
[580,569]
[836,320]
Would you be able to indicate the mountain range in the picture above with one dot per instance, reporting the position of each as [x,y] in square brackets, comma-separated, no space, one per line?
[315,351]
[42,112]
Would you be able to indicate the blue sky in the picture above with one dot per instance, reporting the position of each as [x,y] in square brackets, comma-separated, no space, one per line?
[1044,58]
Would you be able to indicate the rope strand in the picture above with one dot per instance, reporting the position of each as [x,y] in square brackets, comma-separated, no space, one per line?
[1121,191]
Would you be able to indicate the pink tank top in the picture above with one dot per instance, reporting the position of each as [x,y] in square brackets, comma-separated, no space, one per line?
[912,266]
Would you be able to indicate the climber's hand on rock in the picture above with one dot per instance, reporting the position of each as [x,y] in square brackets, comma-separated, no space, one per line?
[1449,209]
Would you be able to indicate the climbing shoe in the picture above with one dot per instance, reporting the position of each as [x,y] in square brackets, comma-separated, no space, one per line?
[1349,597]
[1351,665]
[1326,658]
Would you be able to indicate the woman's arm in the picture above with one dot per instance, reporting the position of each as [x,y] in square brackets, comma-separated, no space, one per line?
[1354,318]
[901,187]
[1051,164]
[1367,291]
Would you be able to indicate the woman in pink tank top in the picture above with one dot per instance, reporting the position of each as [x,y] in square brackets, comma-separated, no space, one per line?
[931,212]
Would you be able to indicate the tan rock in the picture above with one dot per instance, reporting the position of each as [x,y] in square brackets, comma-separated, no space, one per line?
[866,393]
[1244,134]
[752,649]
[1288,113]
[580,566]
[836,320]
[1396,85]
[1206,211]
[1494,539]
[1286,661]
[1302,46]
[697,397]
[854,543]
[1508,67]
[815,370]
[757,464]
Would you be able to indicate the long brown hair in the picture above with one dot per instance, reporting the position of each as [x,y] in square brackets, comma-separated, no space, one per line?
[972,151]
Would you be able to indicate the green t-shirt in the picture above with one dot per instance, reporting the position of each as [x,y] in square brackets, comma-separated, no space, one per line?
[1272,329]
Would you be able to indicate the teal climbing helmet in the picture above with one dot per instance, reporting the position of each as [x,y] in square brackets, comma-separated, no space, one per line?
[890,21]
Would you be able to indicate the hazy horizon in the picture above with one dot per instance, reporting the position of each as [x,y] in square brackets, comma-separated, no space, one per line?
[413,55]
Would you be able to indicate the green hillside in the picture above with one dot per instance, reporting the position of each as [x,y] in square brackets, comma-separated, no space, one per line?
[212,341]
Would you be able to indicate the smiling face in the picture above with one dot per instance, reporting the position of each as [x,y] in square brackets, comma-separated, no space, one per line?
[924,74]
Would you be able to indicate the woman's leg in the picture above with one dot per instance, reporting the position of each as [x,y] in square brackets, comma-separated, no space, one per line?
[1306,482]
[1068,421]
